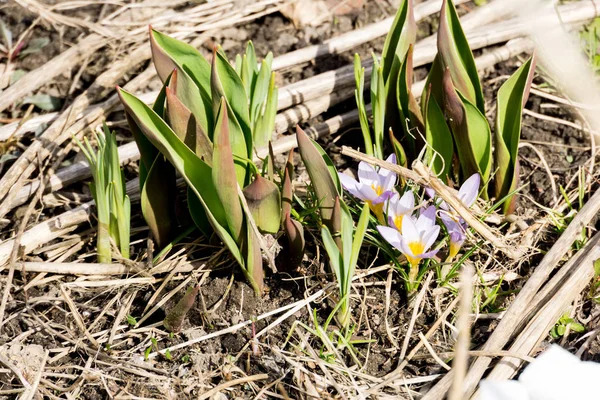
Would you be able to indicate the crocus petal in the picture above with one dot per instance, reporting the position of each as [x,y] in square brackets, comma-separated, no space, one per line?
[430,236]
[404,248]
[469,190]
[426,218]
[391,158]
[367,174]
[391,235]
[438,202]
[406,203]
[350,184]
[457,238]
[450,224]
[368,194]
[429,254]
[410,233]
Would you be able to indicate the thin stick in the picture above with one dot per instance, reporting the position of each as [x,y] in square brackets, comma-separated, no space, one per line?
[415,314]
[77,316]
[432,352]
[463,323]
[237,327]
[231,383]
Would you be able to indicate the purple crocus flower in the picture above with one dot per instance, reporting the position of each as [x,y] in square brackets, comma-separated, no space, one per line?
[399,207]
[456,225]
[417,236]
[467,193]
[374,186]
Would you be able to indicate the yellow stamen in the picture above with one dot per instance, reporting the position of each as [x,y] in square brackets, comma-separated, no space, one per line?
[417,249]
[378,189]
[398,222]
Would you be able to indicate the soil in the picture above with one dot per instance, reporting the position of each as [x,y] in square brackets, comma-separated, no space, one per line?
[224,302]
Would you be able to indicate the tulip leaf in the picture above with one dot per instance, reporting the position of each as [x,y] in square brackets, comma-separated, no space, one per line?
[192,168]
[325,182]
[411,119]
[511,100]
[359,235]
[225,82]
[175,317]
[265,124]
[158,201]
[455,54]
[168,53]
[184,89]
[264,202]
[295,240]
[471,132]
[224,174]
[287,190]
[183,123]
[402,34]
[440,148]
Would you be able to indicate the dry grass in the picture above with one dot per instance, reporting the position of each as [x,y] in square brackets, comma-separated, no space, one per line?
[66,325]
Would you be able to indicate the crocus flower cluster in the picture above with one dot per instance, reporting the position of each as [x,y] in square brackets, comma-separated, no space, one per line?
[411,232]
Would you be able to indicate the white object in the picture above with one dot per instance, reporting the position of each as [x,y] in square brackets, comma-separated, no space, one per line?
[555,375]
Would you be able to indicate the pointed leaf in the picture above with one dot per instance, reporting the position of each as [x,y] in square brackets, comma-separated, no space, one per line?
[226,83]
[264,202]
[295,241]
[265,125]
[378,106]
[439,138]
[168,53]
[455,54]
[174,319]
[287,189]
[224,176]
[158,209]
[409,112]
[359,78]
[471,132]
[187,92]
[402,34]
[183,123]
[511,100]
[325,184]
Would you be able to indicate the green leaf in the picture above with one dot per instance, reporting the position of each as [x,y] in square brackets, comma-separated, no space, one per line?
[471,132]
[335,257]
[359,77]
[402,34]
[265,125]
[183,123]
[175,317]
[287,190]
[511,100]
[325,183]
[190,96]
[225,82]
[260,92]
[295,240]
[168,53]
[158,209]
[224,175]
[378,106]
[439,138]
[193,169]
[264,202]
[411,119]
[455,54]
[359,235]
